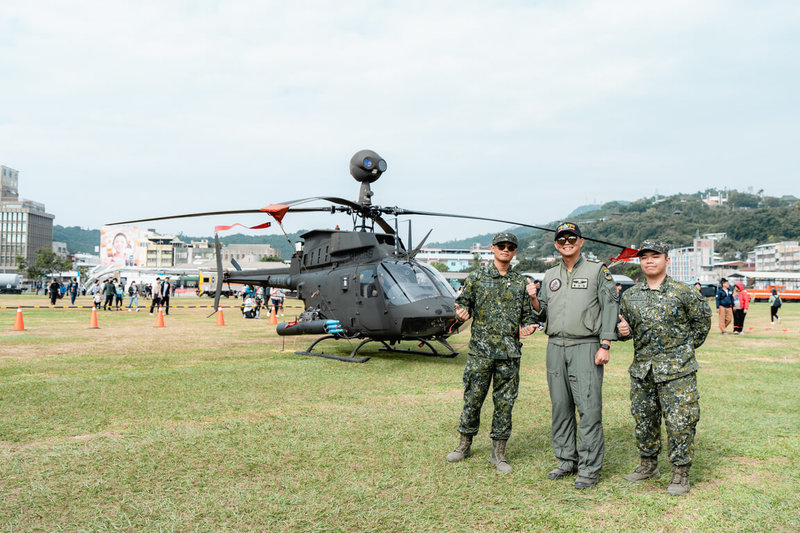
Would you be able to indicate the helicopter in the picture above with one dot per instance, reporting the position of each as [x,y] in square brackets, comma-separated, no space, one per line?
[363,284]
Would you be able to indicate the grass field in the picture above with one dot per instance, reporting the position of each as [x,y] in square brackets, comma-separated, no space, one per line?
[199,427]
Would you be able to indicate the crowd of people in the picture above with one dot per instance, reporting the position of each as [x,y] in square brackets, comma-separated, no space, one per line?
[253,300]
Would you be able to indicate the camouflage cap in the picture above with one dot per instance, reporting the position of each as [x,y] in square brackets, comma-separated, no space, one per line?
[568,227]
[652,245]
[505,237]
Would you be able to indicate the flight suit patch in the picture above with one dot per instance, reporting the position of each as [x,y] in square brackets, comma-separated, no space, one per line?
[580,283]
[555,285]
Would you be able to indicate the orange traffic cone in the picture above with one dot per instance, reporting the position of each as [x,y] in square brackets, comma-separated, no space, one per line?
[220,318]
[19,324]
[273,317]
[93,319]
[160,318]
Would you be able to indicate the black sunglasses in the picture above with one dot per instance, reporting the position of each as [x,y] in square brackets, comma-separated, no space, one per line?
[572,239]
[503,245]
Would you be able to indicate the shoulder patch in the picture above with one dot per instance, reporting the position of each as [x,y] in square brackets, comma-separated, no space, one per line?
[607,274]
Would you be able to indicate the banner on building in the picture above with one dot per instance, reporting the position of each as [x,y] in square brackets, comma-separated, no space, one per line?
[123,246]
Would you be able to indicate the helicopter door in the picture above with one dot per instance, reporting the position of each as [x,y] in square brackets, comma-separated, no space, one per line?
[369,301]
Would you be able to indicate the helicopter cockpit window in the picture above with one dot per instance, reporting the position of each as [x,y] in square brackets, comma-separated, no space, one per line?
[439,280]
[368,287]
[405,282]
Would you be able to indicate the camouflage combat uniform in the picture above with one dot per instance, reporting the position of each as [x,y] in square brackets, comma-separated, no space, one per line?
[667,325]
[498,306]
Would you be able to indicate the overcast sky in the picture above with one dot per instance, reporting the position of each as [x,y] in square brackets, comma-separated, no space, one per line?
[521,110]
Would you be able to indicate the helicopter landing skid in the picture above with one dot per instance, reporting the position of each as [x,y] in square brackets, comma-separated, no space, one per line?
[351,359]
[386,348]
[434,352]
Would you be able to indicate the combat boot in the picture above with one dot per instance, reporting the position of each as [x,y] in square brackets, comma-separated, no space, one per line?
[680,480]
[462,451]
[498,458]
[648,469]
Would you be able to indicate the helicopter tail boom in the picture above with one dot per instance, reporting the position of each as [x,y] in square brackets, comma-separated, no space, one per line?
[262,276]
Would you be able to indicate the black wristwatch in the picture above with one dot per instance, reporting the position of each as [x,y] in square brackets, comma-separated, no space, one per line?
[605,346]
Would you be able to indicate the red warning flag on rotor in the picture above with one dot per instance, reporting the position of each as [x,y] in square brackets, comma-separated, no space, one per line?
[226,228]
[277,211]
[626,255]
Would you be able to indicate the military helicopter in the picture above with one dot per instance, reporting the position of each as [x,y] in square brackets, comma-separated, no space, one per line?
[362,284]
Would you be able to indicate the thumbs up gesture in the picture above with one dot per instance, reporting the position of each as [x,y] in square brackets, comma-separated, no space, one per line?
[531,288]
[623,327]
[462,314]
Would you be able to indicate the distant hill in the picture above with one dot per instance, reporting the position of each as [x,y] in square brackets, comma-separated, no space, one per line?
[583,209]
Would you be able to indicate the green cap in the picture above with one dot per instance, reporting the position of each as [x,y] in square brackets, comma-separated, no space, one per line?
[652,245]
[505,237]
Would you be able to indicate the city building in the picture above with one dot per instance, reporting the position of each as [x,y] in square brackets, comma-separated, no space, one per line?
[60,249]
[778,257]
[716,200]
[25,226]
[692,263]
[247,252]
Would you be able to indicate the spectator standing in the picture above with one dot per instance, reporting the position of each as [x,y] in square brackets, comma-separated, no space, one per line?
[97,297]
[55,290]
[133,296]
[166,291]
[275,295]
[72,289]
[156,291]
[109,291]
[119,292]
[724,305]
[741,303]
[774,304]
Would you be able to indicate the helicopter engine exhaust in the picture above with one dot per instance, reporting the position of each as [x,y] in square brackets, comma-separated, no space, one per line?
[311,327]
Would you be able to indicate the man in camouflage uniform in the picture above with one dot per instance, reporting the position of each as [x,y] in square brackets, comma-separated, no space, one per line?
[668,321]
[495,298]
[580,303]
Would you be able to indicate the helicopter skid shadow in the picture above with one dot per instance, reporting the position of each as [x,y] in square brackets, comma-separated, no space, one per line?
[386,348]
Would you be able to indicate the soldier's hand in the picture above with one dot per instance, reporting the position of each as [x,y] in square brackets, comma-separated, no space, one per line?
[623,327]
[601,357]
[462,314]
[531,288]
[527,330]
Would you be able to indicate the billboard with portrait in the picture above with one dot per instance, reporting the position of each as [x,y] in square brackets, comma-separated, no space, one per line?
[123,246]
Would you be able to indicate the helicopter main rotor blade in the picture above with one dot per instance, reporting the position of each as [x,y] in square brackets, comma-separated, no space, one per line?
[189,215]
[230,212]
[401,211]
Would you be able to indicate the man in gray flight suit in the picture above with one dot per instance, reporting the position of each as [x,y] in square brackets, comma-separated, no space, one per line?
[580,303]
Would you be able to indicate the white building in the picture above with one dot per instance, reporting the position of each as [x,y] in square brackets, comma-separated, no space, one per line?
[692,263]
[25,227]
[778,257]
